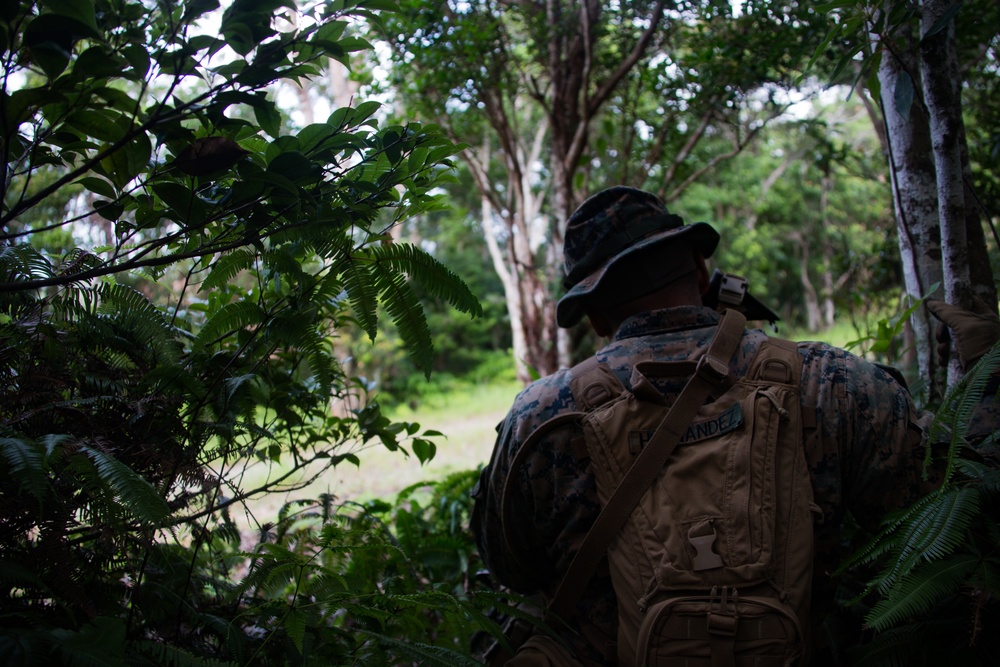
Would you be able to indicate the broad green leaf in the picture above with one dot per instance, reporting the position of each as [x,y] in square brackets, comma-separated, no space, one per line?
[21,104]
[294,166]
[129,161]
[109,210]
[268,116]
[78,10]
[98,186]
[100,125]
[424,449]
[138,57]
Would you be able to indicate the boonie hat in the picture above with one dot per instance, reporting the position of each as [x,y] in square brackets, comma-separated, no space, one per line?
[611,226]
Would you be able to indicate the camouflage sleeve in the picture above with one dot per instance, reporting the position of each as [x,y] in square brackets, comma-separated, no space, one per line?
[552,497]
[866,454]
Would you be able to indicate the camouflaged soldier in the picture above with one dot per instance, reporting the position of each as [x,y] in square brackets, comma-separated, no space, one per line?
[639,274]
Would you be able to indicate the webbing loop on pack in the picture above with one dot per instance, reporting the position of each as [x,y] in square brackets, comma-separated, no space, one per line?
[723,620]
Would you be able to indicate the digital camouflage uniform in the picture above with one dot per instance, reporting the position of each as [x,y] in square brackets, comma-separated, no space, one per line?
[864,451]
[864,454]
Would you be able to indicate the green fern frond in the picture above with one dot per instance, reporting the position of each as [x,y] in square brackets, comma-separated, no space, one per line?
[300,332]
[227,267]
[933,532]
[143,322]
[439,281]
[407,314]
[25,461]
[987,577]
[283,260]
[78,260]
[295,623]
[137,495]
[919,591]
[889,539]
[953,419]
[231,317]
[23,262]
[359,282]
[333,243]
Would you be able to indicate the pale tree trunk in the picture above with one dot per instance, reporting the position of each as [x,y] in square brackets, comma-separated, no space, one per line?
[828,314]
[512,296]
[968,278]
[810,298]
[911,165]
[513,229]
[940,78]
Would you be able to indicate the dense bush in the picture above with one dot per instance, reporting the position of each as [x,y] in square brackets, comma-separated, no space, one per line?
[175,267]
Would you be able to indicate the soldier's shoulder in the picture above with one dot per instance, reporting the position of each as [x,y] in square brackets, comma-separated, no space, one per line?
[828,364]
[544,398]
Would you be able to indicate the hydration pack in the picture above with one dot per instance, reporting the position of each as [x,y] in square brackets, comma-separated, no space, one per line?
[707,519]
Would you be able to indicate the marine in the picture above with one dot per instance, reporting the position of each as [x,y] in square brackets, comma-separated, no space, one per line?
[639,274]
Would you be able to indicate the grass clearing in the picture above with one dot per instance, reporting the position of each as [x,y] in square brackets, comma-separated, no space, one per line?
[467,419]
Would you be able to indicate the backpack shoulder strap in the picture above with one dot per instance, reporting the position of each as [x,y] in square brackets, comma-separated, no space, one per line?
[712,371]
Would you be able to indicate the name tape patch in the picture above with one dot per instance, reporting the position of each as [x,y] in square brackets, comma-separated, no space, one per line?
[729,420]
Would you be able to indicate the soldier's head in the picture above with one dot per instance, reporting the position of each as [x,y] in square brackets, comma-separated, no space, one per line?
[621,245]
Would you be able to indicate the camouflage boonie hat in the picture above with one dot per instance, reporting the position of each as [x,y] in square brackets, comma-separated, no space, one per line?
[611,226]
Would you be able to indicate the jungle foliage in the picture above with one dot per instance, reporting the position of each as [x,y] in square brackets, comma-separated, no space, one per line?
[176,265]
[931,597]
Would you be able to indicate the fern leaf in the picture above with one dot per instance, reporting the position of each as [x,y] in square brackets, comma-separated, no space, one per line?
[300,332]
[921,589]
[144,322]
[137,495]
[987,577]
[407,314]
[362,294]
[953,420]
[439,281]
[26,463]
[934,531]
[295,623]
[896,647]
[23,262]
[231,317]
[227,267]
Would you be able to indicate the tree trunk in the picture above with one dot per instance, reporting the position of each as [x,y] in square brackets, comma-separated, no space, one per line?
[939,75]
[810,299]
[828,313]
[908,151]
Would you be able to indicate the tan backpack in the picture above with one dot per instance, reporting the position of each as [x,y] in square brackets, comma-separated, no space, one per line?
[707,518]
